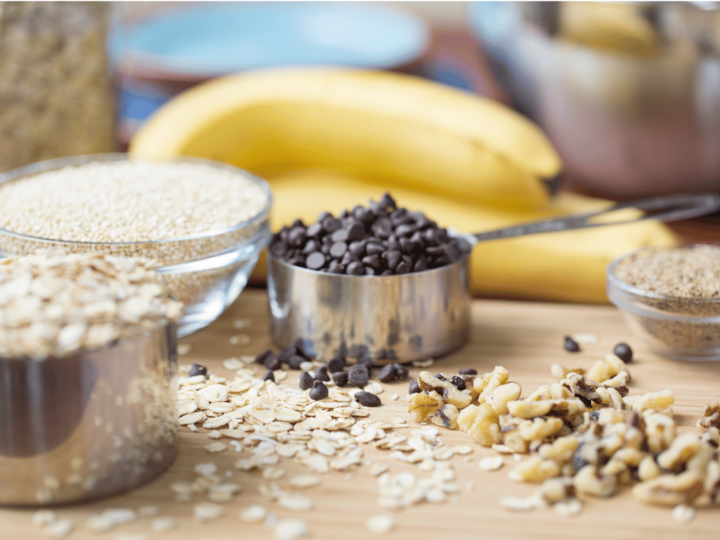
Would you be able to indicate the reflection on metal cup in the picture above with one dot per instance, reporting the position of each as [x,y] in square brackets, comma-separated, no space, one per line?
[403,318]
[87,425]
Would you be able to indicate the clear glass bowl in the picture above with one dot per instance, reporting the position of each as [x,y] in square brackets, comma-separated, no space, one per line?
[206,271]
[675,327]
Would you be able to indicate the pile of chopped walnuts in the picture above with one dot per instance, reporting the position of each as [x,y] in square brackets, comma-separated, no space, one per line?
[584,435]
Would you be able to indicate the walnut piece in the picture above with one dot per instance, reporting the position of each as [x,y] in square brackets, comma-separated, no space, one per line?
[421,405]
[481,423]
[670,489]
[710,416]
[446,417]
[606,369]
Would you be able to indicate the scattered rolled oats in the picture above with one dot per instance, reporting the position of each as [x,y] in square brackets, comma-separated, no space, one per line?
[184,349]
[59,528]
[163,524]
[520,504]
[120,515]
[239,324]
[380,524]
[148,511]
[240,339]
[585,338]
[100,523]
[215,448]
[295,502]
[43,517]
[683,513]
[207,512]
[568,507]
[253,514]
[289,529]
[491,463]
[304,481]
[378,468]
[423,363]
[233,364]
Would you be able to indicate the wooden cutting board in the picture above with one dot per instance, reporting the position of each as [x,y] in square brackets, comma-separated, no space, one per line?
[526,338]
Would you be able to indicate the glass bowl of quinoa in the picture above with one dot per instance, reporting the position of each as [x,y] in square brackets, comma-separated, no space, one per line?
[670,296]
[204,222]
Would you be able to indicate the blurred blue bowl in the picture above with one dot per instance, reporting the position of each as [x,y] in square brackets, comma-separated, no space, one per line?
[159,55]
[201,42]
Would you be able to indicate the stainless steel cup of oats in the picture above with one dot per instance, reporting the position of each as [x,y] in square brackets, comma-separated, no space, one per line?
[403,317]
[90,424]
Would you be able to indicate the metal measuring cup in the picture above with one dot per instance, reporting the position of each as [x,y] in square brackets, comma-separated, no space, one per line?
[88,425]
[417,315]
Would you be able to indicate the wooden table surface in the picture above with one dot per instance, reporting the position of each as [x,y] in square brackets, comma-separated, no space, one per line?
[527,339]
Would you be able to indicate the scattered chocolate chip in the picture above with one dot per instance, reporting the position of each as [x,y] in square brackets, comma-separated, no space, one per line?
[321,374]
[358,375]
[468,371]
[364,359]
[623,352]
[458,382]
[318,391]
[367,399]
[260,358]
[306,381]
[340,378]
[414,387]
[197,369]
[286,353]
[387,374]
[571,345]
[336,364]
[269,376]
[401,372]
[294,361]
[305,348]
[272,361]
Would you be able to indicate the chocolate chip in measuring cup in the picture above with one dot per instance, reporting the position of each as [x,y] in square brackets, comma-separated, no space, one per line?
[367,399]
[197,369]
[571,345]
[315,261]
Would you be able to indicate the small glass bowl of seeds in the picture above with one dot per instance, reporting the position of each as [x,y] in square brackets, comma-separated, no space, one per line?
[204,222]
[670,296]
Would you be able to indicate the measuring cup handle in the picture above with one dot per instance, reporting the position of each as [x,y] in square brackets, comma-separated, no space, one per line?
[669,208]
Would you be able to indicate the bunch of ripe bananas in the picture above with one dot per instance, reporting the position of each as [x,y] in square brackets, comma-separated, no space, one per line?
[328,139]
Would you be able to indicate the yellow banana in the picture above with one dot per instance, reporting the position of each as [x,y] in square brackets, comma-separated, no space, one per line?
[375,126]
[568,266]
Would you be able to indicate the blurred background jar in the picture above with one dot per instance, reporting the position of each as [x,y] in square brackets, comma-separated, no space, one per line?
[628,92]
[56,96]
